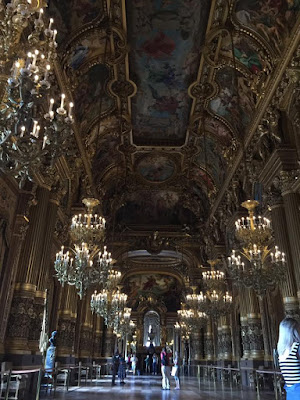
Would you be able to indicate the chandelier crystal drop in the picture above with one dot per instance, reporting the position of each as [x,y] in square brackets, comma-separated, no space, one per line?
[89,228]
[30,138]
[255,265]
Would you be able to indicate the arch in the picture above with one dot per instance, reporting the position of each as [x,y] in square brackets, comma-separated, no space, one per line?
[151,328]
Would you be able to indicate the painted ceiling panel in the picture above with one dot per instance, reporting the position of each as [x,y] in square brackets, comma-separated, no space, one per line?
[71,15]
[165,39]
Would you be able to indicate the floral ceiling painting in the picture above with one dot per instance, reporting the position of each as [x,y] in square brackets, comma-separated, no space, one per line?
[91,99]
[165,39]
[154,208]
[83,12]
[160,286]
[156,168]
[272,19]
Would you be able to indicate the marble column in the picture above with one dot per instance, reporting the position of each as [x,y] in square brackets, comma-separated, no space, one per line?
[86,334]
[209,342]
[288,285]
[219,342]
[66,326]
[19,230]
[291,206]
[244,323]
[109,343]
[26,278]
[226,338]
[98,333]
[197,350]
[255,328]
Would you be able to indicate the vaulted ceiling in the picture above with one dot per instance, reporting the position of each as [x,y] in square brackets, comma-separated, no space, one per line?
[161,105]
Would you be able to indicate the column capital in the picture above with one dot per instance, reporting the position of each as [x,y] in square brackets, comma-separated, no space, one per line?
[288,180]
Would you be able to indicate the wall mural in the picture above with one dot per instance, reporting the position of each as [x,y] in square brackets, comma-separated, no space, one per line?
[236,111]
[272,19]
[107,155]
[213,159]
[83,12]
[244,52]
[160,286]
[219,130]
[154,208]
[88,94]
[156,168]
[165,39]
[88,48]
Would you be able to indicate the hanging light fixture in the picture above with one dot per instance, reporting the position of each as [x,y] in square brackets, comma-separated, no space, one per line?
[109,305]
[88,228]
[80,268]
[31,139]
[255,265]
[190,320]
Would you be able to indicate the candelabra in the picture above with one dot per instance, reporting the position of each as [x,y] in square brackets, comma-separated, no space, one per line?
[30,138]
[78,268]
[89,227]
[256,266]
[109,305]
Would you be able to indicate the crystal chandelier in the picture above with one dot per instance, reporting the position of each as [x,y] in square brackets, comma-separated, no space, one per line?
[125,325]
[191,319]
[255,266]
[88,228]
[78,267]
[31,138]
[217,300]
[14,18]
[109,305]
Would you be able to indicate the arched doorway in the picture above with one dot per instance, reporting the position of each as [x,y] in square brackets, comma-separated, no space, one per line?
[151,328]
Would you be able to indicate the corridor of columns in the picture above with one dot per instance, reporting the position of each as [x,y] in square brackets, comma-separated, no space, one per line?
[149,196]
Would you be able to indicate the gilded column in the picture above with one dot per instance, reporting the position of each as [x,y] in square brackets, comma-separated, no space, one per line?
[255,328]
[20,227]
[24,307]
[288,285]
[66,324]
[291,202]
[86,334]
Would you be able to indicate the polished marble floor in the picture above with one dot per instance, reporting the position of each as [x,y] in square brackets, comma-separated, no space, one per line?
[149,388]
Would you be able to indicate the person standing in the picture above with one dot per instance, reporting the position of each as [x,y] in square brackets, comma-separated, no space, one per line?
[122,370]
[134,361]
[289,356]
[176,370]
[154,363]
[147,364]
[165,369]
[115,367]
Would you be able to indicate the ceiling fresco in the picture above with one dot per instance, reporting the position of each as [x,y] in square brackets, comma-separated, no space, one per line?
[272,19]
[165,39]
[156,168]
[162,106]
[162,287]
[70,15]
[154,208]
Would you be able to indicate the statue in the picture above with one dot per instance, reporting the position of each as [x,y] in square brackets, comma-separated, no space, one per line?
[50,355]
